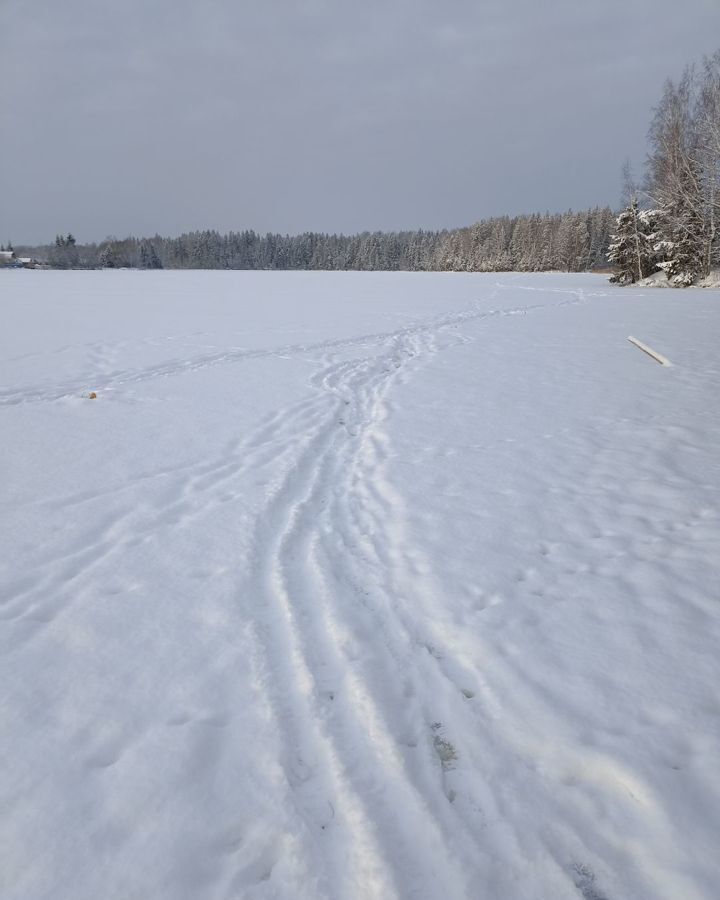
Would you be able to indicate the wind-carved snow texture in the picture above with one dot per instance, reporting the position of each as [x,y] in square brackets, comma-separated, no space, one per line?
[356,609]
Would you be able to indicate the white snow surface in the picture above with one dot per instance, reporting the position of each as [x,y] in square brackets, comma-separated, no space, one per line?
[712,280]
[660,280]
[657,279]
[358,586]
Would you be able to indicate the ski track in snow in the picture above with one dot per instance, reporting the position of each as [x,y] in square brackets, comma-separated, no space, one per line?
[333,524]
[338,704]
[349,658]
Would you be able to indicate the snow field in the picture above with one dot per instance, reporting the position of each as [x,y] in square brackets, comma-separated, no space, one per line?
[355,585]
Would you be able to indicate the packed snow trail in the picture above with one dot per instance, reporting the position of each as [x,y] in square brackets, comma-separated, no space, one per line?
[414,611]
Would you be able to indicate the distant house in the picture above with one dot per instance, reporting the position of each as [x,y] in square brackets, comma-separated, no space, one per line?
[8,260]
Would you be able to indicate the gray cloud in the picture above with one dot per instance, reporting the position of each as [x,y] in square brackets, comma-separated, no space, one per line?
[166,115]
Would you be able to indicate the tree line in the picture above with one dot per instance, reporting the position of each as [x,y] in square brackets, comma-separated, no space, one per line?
[570,241]
[670,222]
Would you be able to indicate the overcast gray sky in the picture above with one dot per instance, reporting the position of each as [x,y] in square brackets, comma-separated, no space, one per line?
[148,116]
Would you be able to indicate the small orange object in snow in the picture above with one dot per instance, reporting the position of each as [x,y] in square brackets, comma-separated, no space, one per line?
[92,395]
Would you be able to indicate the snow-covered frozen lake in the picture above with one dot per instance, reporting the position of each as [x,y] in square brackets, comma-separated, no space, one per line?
[358,586]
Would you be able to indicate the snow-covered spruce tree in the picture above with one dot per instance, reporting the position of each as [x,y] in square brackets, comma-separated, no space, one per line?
[681,245]
[633,244]
[149,258]
[573,242]
[107,258]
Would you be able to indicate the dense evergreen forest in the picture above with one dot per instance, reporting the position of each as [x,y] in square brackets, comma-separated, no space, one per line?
[571,242]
